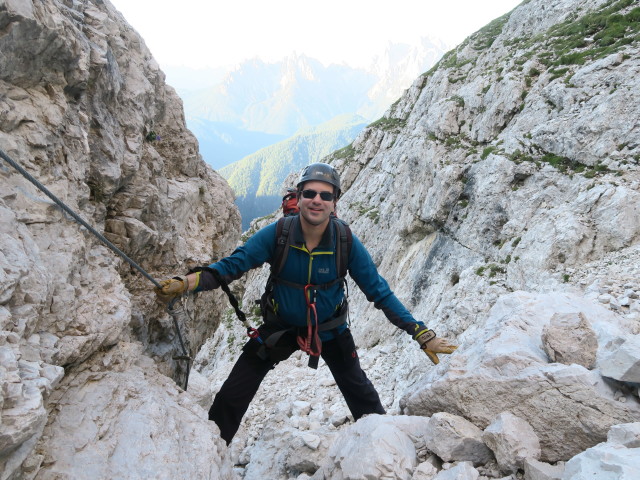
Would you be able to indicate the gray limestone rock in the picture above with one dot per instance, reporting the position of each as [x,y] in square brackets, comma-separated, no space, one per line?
[622,360]
[627,435]
[570,339]
[455,439]
[461,471]
[604,457]
[505,369]
[374,447]
[537,470]
[130,420]
[512,441]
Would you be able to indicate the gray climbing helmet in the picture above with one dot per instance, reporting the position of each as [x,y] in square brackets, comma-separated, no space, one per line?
[321,172]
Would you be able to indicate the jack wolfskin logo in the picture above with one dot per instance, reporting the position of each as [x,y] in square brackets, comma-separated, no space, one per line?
[323,270]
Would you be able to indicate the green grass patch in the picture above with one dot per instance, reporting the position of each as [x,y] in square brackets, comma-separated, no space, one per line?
[607,29]
[495,269]
[558,72]
[346,152]
[487,151]
[387,124]
[457,99]
[562,164]
[453,142]
[518,157]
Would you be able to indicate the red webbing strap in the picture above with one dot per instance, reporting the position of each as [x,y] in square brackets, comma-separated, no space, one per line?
[312,344]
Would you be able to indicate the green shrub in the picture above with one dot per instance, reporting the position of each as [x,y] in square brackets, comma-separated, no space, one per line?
[487,151]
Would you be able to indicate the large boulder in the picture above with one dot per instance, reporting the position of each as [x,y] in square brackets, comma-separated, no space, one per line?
[455,439]
[569,339]
[512,440]
[375,447]
[501,367]
[619,456]
[118,417]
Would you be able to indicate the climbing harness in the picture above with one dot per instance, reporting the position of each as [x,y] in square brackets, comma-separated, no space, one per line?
[308,339]
[175,308]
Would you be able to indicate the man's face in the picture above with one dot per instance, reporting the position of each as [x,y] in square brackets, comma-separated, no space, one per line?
[316,211]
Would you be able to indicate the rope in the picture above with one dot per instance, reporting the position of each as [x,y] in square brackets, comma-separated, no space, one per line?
[251,332]
[170,308]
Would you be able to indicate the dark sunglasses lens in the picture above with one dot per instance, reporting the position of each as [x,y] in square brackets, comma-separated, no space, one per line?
[326,196]
[309,193]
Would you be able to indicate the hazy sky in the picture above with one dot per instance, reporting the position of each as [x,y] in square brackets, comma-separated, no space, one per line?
[209,33]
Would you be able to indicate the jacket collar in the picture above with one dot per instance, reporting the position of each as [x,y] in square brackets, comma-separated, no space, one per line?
[326,242]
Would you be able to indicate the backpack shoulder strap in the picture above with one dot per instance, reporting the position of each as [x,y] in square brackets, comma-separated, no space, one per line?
[343,248]
[283,229]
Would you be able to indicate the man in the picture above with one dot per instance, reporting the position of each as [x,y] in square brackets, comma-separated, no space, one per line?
[305,305]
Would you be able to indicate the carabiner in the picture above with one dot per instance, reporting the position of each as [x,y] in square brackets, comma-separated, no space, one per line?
[310,297]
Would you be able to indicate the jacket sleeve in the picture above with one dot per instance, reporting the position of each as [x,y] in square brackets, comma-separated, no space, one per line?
[253,254]
[376,289]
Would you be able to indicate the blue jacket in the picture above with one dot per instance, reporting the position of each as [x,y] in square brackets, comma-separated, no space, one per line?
[316,267]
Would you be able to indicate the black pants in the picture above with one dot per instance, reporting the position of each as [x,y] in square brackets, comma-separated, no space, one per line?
[233,399]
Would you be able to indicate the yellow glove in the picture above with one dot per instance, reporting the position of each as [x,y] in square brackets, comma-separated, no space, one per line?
[431,345]
[171,288]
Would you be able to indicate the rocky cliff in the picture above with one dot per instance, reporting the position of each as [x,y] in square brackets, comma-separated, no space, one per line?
[85,351]
[500,198]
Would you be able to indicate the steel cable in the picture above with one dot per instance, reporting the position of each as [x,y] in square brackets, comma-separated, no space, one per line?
[107,243]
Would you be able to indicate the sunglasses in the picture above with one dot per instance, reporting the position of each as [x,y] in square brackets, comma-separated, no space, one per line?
[326,196]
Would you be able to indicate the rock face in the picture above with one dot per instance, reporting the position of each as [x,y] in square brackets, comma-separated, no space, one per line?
[500,198]
[454,438]
[84,109]
[125,397]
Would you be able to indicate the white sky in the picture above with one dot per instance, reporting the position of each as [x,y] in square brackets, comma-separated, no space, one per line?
[210,33]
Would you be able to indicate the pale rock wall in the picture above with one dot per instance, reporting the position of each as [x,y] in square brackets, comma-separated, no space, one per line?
[80,96]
